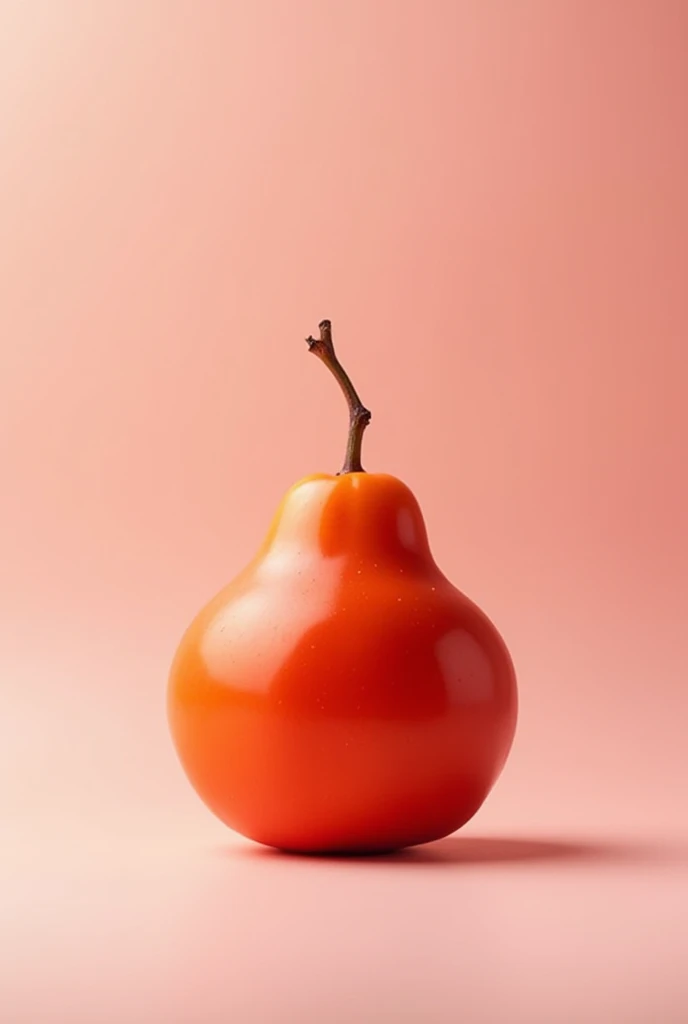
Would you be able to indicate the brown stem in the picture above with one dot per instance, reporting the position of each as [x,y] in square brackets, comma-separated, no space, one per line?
[359,416]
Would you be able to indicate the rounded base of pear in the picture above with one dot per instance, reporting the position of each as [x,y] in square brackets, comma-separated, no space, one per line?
[361,845]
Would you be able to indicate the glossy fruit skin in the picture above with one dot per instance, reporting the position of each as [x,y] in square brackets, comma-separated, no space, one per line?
[340,695]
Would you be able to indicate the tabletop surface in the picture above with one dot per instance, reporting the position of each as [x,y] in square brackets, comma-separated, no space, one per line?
[484,927]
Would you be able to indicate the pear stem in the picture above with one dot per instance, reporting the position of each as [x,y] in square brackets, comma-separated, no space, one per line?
[359,416]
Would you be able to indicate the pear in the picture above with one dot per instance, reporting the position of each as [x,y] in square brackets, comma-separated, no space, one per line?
[341,695]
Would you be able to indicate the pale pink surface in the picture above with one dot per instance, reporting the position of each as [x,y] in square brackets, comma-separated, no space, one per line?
[489,200]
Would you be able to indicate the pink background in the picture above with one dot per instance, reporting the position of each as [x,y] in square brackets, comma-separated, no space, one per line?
[489,200]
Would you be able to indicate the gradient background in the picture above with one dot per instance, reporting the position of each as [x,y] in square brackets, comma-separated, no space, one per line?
[490,201]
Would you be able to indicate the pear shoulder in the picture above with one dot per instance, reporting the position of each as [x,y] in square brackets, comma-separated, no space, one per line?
[375,514]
